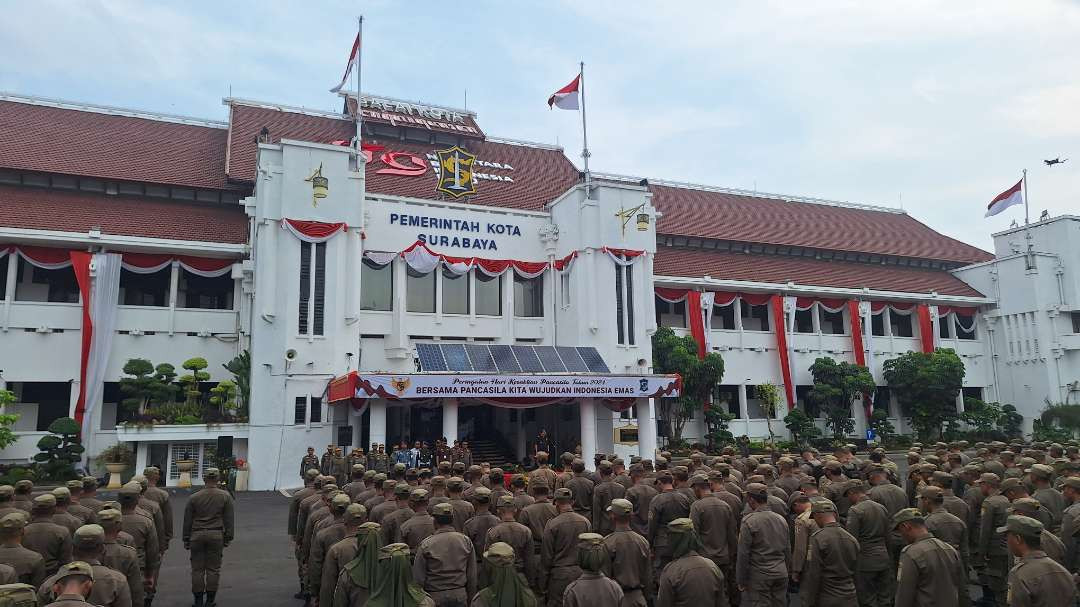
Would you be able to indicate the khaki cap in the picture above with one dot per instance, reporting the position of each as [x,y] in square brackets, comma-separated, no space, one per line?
[1025,505]
[455,483]
[24,484]
[340,501]
[680,525]
[7,491]
[821,505]
[89,482]
[74,485]
[212,473]
[757,490]
[62,495]
[369,475]
[392,550]
[14,520]
[358,468]
[988,478]
[355,513]
[107,517]
[418,495]
[562,494]
[931,492]
[388,484]
[438,481]
[399,467]
[482,494]
[45,500]
[89,536]
[151,471]
[500,553]
[1022,525]
[74,568]
[1072,481]
[590,539]
[505,501]
[443,509]
[402,490]
[311,474]
[699,479]
[905,515]
[114,505]
[854,485]
[1010,484]
[621,506]
[1042,471]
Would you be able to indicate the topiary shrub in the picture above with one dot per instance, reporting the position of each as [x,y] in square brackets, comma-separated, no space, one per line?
[60,451]
[190,382]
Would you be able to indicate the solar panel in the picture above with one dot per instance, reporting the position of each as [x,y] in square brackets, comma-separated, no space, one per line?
[593,360]
[572,359]
[504,359]
[549,358]
[481,358]
[431,358]
[456,358]
[526,355]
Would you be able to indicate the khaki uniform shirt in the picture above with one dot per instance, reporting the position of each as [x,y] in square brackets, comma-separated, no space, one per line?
[519,537]
[869,523]
[663,509]
[144,538]
[391,524]
[153,510]
[294,506]
[764,547]
[1037,581]
[337,557]
[929,575]
[416,529]
[1053,547]
[804,528]
[544,472]
[994,514]
[640,495]
[50,540]
[715,524]
[691,581]
[889,495]
[1054,502]
[125,560]
[110,588]
[582,488]
[951,530]
[69,600]
[601,498]
[324,539]
[67,520]
[80,512]
[592,590]
[308,462]
[161,498]
[559,547]
[209,509]
[463,511]
[536,517]
[446,561]
[829,576]
[477,528]
[1070,527]
[956,506]
[631,561]
[29,565]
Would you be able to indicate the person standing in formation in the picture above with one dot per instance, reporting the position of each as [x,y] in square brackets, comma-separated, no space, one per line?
[689,579]
[592,588]
[929,573]
[828,579]
[558,550]
[764,552]
[1036,580]
[506,587]
[631,563]
[208,530]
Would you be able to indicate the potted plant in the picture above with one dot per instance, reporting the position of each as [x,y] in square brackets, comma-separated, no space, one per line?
[117,459]
[185,466]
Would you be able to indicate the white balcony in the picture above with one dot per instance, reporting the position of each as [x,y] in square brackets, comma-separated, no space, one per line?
[179,433]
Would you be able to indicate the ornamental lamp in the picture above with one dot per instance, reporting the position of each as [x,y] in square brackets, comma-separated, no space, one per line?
[643,222]
[320,186]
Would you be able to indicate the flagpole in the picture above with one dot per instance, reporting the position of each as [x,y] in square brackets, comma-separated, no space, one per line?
[584,130]
[1030,256]
[359,50]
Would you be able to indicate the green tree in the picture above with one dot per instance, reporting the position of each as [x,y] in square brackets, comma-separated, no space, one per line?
[1010,422]
[674,354]
[7,420]
[801,426]
[223,396]
[769,396]
[147,385]
[926,385]
[981,416]
[717,420]
[192,394]
[836,386]
[59,451]
[240,367]
[882,427]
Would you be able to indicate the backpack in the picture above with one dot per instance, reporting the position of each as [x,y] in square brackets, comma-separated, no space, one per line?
[18,595]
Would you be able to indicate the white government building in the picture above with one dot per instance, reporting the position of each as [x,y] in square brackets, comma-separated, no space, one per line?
[376,307]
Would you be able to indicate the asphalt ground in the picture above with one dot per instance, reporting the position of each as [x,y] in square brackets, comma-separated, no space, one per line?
[258,568]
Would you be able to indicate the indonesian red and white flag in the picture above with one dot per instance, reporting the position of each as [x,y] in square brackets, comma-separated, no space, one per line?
[351,65]
[1006,199]
[566,98]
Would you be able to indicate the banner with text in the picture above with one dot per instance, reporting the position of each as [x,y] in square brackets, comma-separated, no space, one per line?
[420,385]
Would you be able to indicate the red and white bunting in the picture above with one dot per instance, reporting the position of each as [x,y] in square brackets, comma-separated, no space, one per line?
[44,257]
[422,259]
[146,263]
[312,231]
[622,257]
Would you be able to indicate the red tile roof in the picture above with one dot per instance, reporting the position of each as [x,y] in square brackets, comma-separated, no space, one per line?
[539,174]
[44,209]
[804,271]
[101,145]
[745,218]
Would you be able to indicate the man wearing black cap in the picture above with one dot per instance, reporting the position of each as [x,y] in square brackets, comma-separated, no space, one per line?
[929,573]
[761,567]
[558,551]
[208,529]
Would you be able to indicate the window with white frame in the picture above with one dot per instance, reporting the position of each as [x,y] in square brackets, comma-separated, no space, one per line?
[488,293]
[529,296]
[900,324]
[376,286]
[307,409]
[831,323]
[624,303]
[312,288]
[964,326]
[564,289]
[723,317]
[804,320]
[205,292]
[670,314]
[455,292]
[754,318]
[145,289]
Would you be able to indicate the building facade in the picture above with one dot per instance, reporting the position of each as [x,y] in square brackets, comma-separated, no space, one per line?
[133,235]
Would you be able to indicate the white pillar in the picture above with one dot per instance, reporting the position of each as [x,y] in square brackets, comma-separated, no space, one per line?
[449,419]
[356,418]
[377,422]
[587,413]
[646,412]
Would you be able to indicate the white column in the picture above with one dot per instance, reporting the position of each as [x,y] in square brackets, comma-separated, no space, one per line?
[353,260]
[449,419]
[646,411]
[266,280]
[587,413]
[12,262]
[356,418]
[174,294]
[377,422]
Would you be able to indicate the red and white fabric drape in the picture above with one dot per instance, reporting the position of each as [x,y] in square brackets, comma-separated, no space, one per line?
[312,231]
[622,257]
[42,257]
[99,327]
[148,263]
[959,312]
[423,260]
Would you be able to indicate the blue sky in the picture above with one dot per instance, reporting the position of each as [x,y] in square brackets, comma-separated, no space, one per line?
[932,106]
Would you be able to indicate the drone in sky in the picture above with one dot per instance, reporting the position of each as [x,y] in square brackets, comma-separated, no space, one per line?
[1054,161]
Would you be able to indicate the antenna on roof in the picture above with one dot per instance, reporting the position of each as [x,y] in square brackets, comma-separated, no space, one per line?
[466,100]
[901,201]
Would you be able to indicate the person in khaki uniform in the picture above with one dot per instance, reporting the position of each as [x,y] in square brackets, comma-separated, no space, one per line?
[803,527]
[74,582]
[119,557]
[868,522]
[89,495]
[992,556]
[7,503]
[592,588]
[542,471]
[929,572]
[75,508]
[515,535]
[664,508]
[394,587]
[582,487]
[761,567]
[558,551]
[505,585]
[1048,542]
[110,587]
[308,462]
[160,497]
[29,565]
[208,529]
[420,525]
[45,537]
[1036,580]
[831,561]
[24,499]
[631,559]
[640,493]
[463,510]
[476,528]
[340,552]
[536,515]
[946,527]
[1050,498]
[689,579]
[392,519]
[604,491]
[322,541]
[142,532]
[445,563]
[715,525]
[357,576]
[61,516]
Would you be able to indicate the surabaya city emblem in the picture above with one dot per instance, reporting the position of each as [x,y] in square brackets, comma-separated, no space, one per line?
[456,172]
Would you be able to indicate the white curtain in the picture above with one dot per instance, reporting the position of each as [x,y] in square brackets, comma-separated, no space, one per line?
[104,295]
[708,298]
